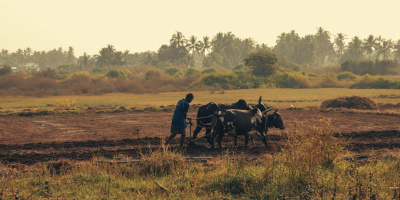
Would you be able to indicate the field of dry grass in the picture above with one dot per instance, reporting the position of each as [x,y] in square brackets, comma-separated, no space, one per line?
[280,98]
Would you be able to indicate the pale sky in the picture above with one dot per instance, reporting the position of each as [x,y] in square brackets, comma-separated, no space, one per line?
[138,26]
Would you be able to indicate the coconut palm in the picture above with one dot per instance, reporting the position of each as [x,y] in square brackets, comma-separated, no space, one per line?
[339,44]
[355,49]
[323,46]
[384,49]
[206,45]
[105,58]
[396,50]
[179,44]
[369,45]
[194,46]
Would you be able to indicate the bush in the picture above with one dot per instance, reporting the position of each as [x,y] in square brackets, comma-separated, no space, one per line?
[209,70]
[192,72]
[368,81]
[223,80]
[328,80]
[346,76]
[289,80]
[118,73]
[153,74]
[172,70]
[5,70]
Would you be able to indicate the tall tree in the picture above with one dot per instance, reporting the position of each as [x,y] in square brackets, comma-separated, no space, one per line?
[396,50]
[263,63]
[339,45]
[106,56]
[323,46]
[194,46]
[369,45]
[178,44]
[384,49]
[206,45]
[355,49]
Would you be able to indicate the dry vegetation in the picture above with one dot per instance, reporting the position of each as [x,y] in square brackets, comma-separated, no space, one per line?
[309,166]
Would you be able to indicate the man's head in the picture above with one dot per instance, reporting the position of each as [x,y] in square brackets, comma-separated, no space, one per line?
[189,97]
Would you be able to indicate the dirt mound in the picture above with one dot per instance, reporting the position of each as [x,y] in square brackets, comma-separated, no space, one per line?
[355,102]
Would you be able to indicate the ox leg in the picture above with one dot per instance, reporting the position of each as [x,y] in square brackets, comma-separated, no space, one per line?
[236,137]
[219,139]
[264,139]
[209,137]
[196,131]
[246,140]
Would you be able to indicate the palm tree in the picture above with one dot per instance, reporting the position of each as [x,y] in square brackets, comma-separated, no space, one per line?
[396,50]
[206,45]
[384,48]
[179,43]
[323,46]
[369,45]
[106,56]
[355,49]
[193,45]
[339,44]
[27,54]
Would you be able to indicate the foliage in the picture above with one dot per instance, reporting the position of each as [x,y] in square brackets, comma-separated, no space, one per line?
[263,63]
[153,74]
[368,81]
[328,80]
[5,70]
[172,70]
[118,73]
[370,67]
[289,80]
[346,76]
[209,70]
[192,72]
[237,80]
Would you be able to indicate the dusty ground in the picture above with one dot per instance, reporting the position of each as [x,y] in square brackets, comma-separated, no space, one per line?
[33,139]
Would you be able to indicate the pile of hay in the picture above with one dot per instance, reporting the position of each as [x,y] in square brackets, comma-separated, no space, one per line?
[353,102]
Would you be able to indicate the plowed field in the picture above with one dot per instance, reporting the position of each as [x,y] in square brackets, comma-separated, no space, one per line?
[28,140]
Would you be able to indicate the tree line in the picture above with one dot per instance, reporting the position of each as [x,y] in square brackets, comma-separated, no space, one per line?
[223,51]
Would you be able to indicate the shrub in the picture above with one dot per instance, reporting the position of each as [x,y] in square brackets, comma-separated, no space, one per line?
[368,81]
[192,72]
[224,80]
[153,74]
[209,70]
[172,70]
[289,80]
[346,76]
[263,63]
[118,73]
[5,70]
[328,80]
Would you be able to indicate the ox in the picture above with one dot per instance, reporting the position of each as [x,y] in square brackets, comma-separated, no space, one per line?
[206,112]
[241,122]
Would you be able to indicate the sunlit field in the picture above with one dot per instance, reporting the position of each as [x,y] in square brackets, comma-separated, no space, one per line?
[279,98]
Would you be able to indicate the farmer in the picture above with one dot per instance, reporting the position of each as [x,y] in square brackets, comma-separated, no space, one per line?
[178,125]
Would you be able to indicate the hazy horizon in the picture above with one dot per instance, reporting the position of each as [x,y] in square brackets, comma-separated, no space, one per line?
[137,26]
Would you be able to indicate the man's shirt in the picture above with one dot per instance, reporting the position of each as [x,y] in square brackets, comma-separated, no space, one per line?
[179,118]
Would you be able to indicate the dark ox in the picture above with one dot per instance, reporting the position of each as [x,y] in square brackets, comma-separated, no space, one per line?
[206,112]
[242,122]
